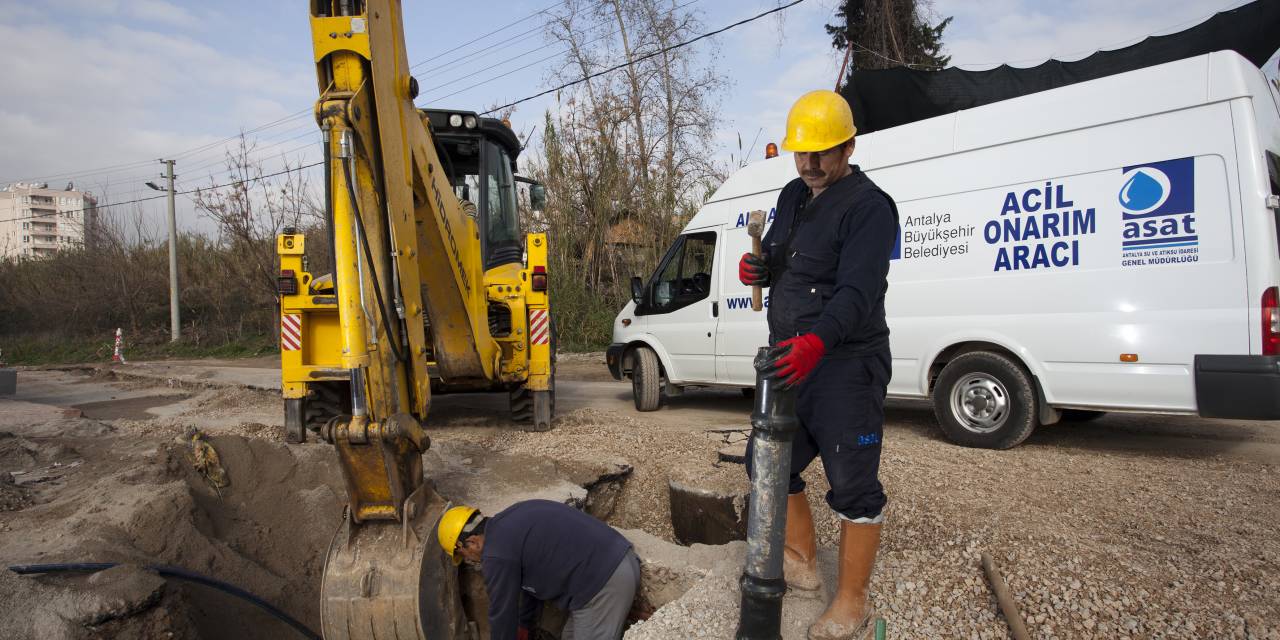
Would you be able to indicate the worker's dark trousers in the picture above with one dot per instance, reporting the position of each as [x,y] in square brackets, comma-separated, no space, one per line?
[841,411]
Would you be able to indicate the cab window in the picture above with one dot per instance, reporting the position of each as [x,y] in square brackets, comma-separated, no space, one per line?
[502,224]
[684,277]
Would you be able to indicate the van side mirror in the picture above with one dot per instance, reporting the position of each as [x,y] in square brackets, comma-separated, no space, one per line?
[538,197]
[637,289]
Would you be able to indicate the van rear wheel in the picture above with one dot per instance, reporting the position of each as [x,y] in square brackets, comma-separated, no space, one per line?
[646,380]
[985,400]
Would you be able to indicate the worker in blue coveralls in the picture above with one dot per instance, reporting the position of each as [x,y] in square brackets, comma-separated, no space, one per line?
[541,551]
[826,261]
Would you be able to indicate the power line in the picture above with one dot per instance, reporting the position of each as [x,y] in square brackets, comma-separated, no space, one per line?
[526,66]
[248,180]
[259,153]
[179,193]
[498,30]
[503,75]
[646,56]
[473,74]
[256,152]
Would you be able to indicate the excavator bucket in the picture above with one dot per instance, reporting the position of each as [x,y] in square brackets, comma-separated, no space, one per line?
[386,582]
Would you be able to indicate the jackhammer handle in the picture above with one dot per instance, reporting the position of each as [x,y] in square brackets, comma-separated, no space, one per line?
[757,296]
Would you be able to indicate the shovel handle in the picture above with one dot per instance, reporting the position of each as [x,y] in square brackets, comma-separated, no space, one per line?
[757,296]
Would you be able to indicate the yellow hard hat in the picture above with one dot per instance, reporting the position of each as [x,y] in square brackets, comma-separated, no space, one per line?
[450,528]
[818,121]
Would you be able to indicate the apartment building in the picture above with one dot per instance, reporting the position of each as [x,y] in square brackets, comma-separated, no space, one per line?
[38,221]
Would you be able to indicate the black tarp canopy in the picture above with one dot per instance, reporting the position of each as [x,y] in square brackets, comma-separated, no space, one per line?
[884,98]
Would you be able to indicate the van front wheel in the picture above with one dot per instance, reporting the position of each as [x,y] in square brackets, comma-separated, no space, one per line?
[983,399]
[646,380]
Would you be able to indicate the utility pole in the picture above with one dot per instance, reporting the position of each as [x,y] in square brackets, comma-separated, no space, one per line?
[175,323]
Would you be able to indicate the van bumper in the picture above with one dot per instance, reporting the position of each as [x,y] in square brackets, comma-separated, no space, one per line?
[613,357]
[1238,386]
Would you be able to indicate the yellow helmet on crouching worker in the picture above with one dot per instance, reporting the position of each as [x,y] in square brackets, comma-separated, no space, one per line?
[450,529]
[818,121]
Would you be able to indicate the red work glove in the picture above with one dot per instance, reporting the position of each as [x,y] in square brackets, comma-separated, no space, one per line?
[794,358]
[753,271]
[522,633]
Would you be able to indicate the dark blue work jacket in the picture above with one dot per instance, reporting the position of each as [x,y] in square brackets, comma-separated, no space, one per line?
[829,260]
[550,552]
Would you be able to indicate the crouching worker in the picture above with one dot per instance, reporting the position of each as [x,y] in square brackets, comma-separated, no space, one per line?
[826,261]
[541,551]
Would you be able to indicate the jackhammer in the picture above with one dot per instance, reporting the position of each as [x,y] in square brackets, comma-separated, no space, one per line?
[773,425]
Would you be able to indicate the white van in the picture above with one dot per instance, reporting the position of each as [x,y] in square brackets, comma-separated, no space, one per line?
[1105,246]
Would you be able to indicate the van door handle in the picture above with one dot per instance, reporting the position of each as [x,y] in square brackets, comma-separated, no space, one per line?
[715,309]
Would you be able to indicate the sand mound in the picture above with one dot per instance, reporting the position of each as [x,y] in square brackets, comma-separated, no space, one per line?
[266,532]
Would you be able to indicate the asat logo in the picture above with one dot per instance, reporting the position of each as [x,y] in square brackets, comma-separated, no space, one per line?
[1158,202]
[1159,189]
[1145,190]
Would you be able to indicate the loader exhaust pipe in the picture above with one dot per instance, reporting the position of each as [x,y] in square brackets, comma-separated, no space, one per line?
[773,425]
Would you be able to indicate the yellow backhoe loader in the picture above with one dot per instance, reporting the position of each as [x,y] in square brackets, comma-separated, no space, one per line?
[432,291]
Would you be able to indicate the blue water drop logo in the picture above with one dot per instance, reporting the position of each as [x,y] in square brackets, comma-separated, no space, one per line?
[1143,192]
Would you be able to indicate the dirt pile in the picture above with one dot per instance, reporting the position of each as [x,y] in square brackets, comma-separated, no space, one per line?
[266,532]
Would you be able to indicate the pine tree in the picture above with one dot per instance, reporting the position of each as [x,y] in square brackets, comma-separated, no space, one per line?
[889,33]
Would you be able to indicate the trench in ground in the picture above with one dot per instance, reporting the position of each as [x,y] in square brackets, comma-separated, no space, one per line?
[270,535]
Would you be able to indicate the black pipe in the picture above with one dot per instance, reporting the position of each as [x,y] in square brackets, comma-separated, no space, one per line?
[773,425]
[177,573]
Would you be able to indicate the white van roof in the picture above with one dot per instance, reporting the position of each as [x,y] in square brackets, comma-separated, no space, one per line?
[1213,77]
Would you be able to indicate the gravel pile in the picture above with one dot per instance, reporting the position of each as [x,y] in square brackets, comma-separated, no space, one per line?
[1094,543]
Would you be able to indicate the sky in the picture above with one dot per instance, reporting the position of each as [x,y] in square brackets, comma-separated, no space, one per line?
[99,90]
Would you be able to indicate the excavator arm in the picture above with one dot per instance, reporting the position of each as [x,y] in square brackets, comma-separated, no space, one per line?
[413,300]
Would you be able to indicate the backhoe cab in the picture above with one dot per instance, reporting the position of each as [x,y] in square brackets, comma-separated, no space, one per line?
[479,155]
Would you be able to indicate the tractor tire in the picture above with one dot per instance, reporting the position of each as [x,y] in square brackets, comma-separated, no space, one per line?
[646,380]
[985,400]
[521,402]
